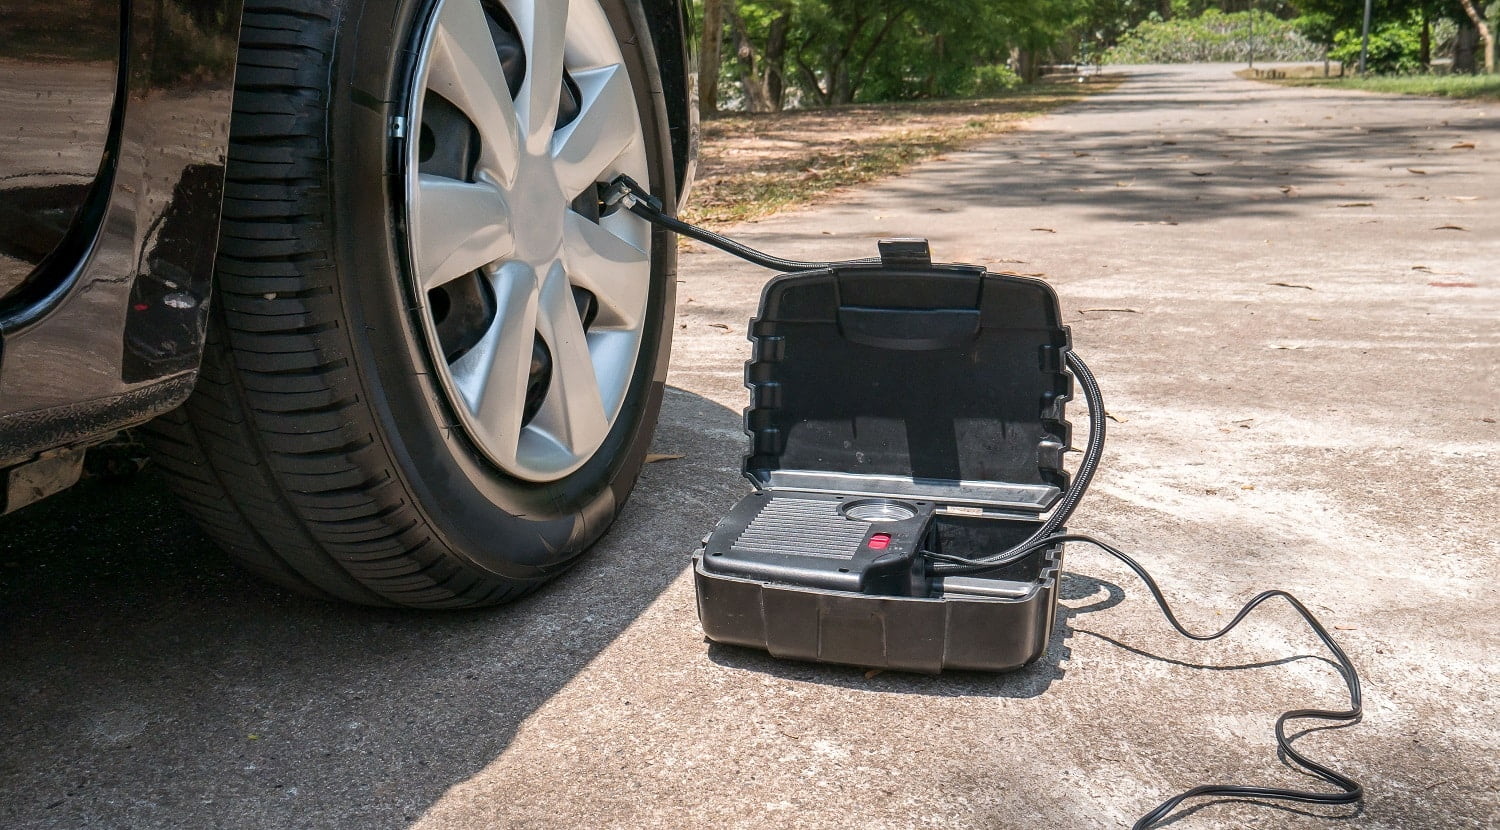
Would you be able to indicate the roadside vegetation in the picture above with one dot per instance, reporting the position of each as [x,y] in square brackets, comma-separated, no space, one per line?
[1481,87]
[768,56]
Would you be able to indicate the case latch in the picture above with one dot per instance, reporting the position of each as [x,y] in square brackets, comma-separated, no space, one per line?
[911,251]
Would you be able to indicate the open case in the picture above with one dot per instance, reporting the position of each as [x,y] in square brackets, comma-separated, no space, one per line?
[895,408]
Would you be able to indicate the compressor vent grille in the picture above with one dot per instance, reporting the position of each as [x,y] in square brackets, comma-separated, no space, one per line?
[803,527]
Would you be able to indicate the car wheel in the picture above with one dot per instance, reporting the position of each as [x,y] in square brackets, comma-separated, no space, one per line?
[435,359]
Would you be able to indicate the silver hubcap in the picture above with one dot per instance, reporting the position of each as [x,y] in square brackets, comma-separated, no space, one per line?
[533,303]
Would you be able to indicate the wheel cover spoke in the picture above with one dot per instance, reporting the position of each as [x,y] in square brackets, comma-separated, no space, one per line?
[460,227]
[492,377]
[573,413]
[543,26]
[609,267]
[586,148]
[465,69]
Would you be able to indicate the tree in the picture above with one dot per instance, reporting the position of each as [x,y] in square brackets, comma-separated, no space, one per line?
[708,58]
[1486,34]
[761,68]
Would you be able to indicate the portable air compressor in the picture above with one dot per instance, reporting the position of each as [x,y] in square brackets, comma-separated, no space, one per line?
[897,410]
[907,435]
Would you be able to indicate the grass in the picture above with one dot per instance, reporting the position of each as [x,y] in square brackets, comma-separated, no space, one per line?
[1479,87]
[752,166]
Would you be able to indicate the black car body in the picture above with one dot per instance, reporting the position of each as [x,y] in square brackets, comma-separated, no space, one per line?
[115,121]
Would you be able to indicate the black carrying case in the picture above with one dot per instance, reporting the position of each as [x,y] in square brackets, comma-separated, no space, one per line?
[895,408]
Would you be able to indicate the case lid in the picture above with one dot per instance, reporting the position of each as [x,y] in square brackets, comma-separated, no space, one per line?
[906,379]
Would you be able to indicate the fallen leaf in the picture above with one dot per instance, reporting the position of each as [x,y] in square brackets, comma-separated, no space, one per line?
[1421,268]
[1450,228]
[652,458]
[1357,204]
[870,675]
[1454,284]
[1463,145]
[1033,274]
[1203,173]
[1288,189]
[1119,310]
[1113,417]
[1291,285]
[1047,230]
[1285,346]
[1346,627]
[1247,486]
[723,326]
[1081,154]
[1415,170]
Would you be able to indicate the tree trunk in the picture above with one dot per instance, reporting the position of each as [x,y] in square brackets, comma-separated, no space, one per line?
[756,99]
[1425,49]
[774,63]
[708,58]
[1486,34]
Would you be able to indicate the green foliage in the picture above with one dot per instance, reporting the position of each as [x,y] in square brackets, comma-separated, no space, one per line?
[1479,87]
[1214,36]
[1395,47]
[843,51]
[990,80]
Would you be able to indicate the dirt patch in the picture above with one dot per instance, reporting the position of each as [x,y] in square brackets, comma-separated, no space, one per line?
[754,165]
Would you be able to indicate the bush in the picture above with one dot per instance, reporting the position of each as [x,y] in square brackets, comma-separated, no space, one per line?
[992,80]
[1395,48]
[1214,36]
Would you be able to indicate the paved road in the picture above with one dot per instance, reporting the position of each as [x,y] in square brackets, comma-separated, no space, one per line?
[1334,434]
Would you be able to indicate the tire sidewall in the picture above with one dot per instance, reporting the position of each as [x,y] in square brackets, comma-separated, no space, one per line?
[509,527]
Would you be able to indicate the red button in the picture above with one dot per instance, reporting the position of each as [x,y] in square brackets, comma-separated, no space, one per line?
[880,541]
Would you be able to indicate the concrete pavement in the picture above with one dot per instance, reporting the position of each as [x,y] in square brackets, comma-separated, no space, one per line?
[1300,359]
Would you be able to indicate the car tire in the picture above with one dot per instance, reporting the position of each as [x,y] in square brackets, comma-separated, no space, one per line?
[341,440]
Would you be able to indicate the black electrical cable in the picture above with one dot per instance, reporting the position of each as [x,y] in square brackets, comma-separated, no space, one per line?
[1350,791]
[626,192]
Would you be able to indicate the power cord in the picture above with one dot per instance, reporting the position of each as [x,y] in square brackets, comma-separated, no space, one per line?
[625,192]
[1349,790]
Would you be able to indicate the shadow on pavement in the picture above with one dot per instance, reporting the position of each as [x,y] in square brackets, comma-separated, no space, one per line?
[1169,172]
[146,681]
